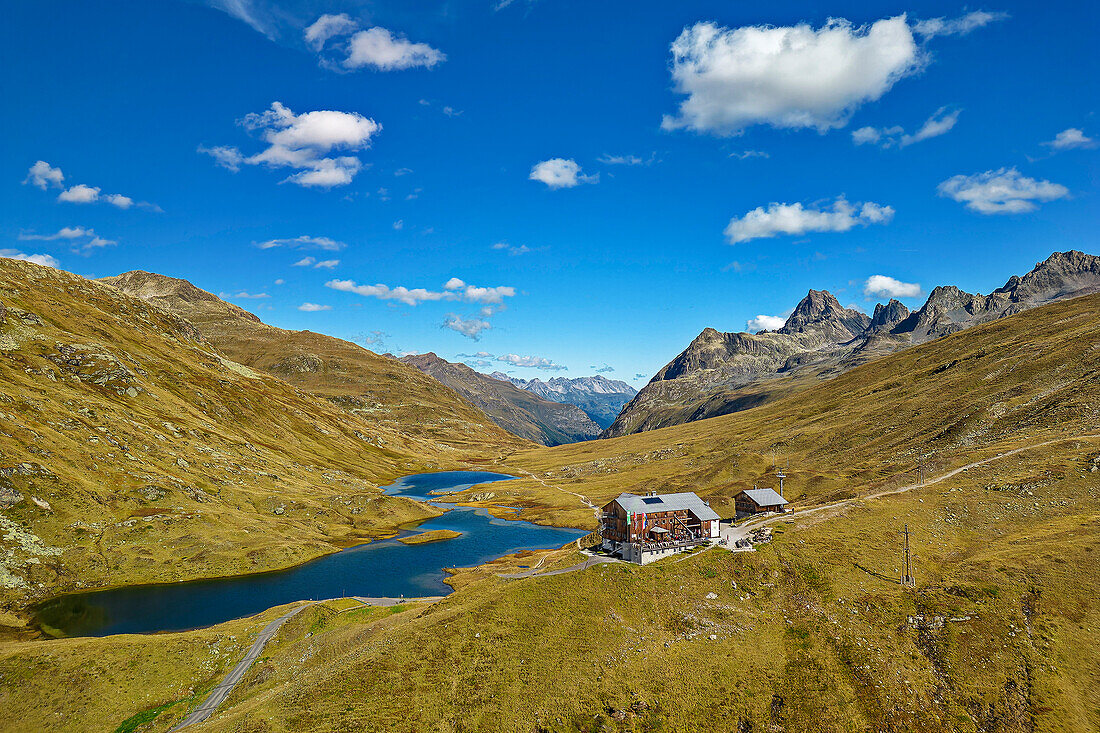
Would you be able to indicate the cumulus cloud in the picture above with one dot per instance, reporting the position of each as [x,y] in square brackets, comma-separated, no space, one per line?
[1067,139]
[326,265]
[956,26]
[560,173]
[79,194]
[777,218]
[605,369]
[471,328]
[38,259]
[453,290]
[764,323]
[304,242]
[381,49]
[746,154]
[788,76]
[938,124]
[1003,191]
[43,175]
[314,307]
[310,144]
[889,287]
[305,262]
[531,362]
[326,27]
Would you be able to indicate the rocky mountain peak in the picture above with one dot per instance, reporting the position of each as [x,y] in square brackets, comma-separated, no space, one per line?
[821,311]
[172,292]
[889,315]
[1061,274]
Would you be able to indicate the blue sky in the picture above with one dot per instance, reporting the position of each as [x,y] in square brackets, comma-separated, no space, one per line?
[560,186]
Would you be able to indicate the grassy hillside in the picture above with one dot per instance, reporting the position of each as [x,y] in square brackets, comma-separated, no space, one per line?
[995,386]
[132,451]
[810,632]
[380,390]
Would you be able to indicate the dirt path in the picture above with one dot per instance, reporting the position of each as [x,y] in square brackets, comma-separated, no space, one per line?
[533,572]
[595,509]
[219,693]
[734,533]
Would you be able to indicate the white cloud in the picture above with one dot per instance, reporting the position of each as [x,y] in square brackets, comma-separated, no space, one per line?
[795,219]
[399,225]
[305,143]
[304,242]
[560,173]
[326,265]
[764,323]
[38,259]
[789,77]
[889,287]
[226,156]
[313,307]
[44,175]
[620,159]
[1067,139]
[244,294]
[380,48]
[326,27]
[532,362]
[512,249]
[280,281]
[79,194]
[117,199]
[1003,191]
[746,154]
[471,328]
[956,26]
[80,238]
[246,11]
[938,124]
[454,290]
[63,233]
[305,262]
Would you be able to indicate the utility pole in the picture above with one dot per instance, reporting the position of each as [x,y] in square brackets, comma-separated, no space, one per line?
[907,579]
[780,475]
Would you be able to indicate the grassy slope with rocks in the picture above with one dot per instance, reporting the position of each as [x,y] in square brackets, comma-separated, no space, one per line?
[131,450]
[379,390]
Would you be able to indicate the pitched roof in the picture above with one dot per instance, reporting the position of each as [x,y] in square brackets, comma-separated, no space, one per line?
[666,503]
[764,497]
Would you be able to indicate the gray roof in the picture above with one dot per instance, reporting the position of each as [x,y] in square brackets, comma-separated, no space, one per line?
[666,503]
[764,497]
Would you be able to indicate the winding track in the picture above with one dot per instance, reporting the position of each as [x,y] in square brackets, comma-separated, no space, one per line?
[218,695]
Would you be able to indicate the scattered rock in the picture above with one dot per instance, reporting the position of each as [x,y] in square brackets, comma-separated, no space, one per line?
[9,496]
[711,596]
[281,509]
[182,463]
[42,503]
[152,493]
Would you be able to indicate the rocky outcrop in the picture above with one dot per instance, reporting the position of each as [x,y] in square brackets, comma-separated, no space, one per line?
[719,373]
[516,410]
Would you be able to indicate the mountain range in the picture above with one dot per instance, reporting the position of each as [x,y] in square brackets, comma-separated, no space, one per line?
[521,412]
[720,373]
[599,397]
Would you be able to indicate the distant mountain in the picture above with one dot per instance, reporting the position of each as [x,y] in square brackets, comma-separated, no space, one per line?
[599,397]
[518,411]
[719,373]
